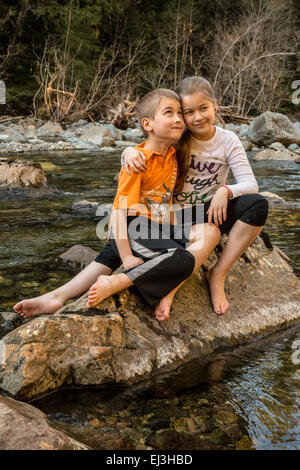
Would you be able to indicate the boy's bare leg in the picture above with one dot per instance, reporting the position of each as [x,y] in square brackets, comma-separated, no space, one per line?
[201,249]
[239,239]
[107,286]
[52,301]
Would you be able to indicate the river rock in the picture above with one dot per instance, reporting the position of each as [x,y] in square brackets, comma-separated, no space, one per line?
[78,256]
[50,129]
[277,201]
[269,154]
[21,173]
[294,148]
[273,127]
[231,127]
[133,135]
[243,130]
[116,133]
[16,137]
[277,146]
[24,427]
[248,146]
[85,207]
[121,342]
[8,322]
[30,131]
[96,134]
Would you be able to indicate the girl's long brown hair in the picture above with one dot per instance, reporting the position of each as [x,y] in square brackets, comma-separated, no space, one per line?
[188,86]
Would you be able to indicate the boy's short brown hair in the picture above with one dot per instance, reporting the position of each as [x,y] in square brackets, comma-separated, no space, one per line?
[146,107]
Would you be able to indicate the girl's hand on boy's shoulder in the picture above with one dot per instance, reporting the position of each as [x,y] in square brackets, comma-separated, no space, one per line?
[217,212]
[131,262]
[135,160]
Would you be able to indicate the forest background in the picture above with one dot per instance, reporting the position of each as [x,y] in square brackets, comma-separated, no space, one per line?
[63,59]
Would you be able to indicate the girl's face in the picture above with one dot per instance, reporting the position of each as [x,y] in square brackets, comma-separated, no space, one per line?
[199,115]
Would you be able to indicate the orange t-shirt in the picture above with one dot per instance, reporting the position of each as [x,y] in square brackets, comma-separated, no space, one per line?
[149,193]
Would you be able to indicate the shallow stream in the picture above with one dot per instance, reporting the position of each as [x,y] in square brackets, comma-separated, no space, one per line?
[259,383]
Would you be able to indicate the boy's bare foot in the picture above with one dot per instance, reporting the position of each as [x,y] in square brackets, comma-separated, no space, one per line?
[216,286]
[162,310]
[46,303]
[104,287]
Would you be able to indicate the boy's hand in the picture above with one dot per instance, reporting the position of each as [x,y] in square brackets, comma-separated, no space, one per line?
[131,262]
[135,160]
[217,211]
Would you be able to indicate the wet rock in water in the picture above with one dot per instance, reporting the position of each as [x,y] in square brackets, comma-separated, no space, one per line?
[8,322]
[47,192]
[169,439]
[78,256]
[277,201]
[272,127]
[21,173]
[23,427]
[269,154]
[49,167]
[85,207]
[121,342]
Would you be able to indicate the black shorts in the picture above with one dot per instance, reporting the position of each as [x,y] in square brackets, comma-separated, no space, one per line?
[166,261]
[152,237]
[249,208]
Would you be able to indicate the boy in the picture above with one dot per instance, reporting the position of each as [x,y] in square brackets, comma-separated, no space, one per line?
[154,261]
[160,116]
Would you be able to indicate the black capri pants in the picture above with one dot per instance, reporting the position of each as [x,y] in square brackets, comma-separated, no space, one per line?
[249,208]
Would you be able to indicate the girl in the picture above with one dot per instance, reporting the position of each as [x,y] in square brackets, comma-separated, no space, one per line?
[206,153]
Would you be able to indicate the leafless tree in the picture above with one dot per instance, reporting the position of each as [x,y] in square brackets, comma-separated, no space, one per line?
[249,61]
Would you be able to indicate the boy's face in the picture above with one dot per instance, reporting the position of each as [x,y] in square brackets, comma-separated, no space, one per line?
[167,122]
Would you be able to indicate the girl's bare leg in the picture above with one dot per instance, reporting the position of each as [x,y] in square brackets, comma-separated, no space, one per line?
[52,301]
[201,250]
[239,239]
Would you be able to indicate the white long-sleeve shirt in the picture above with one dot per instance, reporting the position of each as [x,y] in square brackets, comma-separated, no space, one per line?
[209,167]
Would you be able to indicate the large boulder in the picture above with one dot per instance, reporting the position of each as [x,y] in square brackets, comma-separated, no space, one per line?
[23,427]
[20,173]
[273,127]
[121,342]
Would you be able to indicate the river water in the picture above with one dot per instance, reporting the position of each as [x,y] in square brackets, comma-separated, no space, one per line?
[259,382]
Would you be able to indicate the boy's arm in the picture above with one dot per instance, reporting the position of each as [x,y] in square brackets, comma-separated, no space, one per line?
[119,227]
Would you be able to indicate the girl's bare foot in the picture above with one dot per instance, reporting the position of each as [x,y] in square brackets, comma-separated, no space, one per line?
[47,303]
[216,286]
[162,310]
[105,286]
